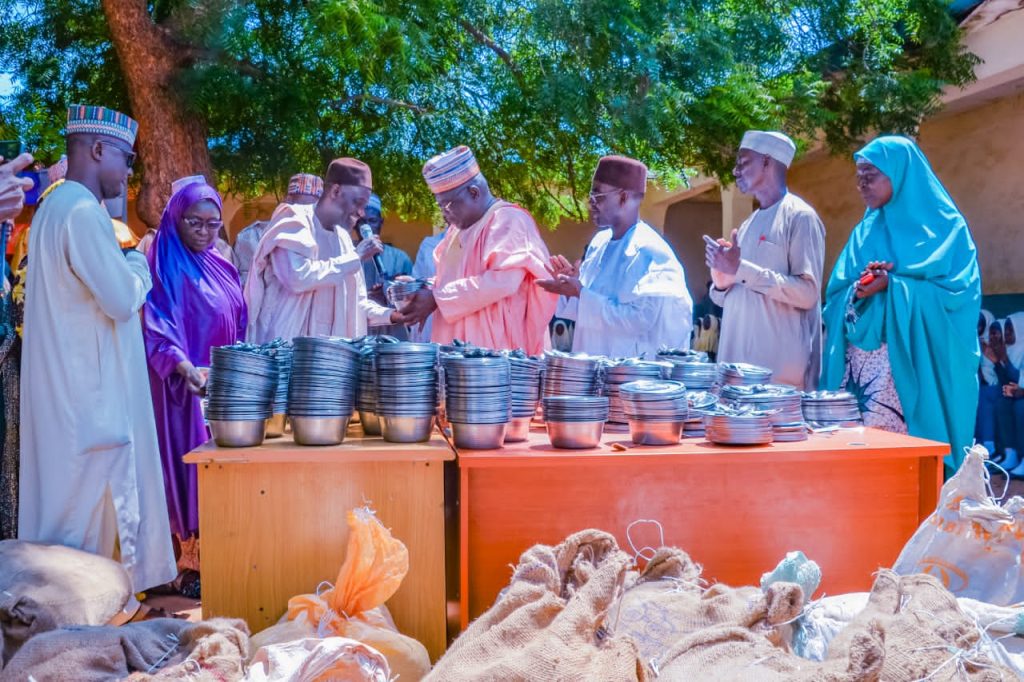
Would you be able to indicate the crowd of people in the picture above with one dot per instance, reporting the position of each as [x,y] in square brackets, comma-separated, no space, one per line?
[116,337]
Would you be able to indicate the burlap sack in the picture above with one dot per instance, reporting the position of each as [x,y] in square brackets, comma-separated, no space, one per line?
[549,623]
[735,654]
[161,649]
[666,603]
[43,587]
[927,636]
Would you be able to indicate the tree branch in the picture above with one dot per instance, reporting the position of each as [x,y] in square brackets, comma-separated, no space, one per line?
[386,101]
[489,43]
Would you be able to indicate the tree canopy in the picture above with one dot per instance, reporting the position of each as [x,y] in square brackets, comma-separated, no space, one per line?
[538,88]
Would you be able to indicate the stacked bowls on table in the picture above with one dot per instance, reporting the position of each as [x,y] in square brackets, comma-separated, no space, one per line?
[322,391]
[240,395]
[656,410]
[571,374]
[398,292]
[731,426]
[366,392]
[575,422]
[701,403]
[281,351]
[478,400]
[623,372]
[682,355]
[526,373]
[697,375]
[407,381]
[742,374]
[823,409]
[783,402]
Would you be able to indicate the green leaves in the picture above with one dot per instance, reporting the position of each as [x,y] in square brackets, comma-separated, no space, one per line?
[540,89]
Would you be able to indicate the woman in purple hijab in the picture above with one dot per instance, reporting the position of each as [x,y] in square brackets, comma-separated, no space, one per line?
[196,304]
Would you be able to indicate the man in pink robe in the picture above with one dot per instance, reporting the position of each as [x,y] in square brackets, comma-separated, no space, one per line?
[487,265]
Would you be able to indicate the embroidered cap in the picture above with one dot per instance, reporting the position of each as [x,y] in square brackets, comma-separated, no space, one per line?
[94,120]
[306,183]
[450,170]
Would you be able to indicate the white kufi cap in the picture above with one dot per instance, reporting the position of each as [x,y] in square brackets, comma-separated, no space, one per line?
[775,145]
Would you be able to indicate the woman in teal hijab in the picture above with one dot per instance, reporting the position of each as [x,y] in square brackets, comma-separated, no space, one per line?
[903,302]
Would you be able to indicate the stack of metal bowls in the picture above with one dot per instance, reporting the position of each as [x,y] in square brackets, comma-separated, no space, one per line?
[783,402]
[575,422]
[240,395]
[742,374]
[622,372]
[698,376]
[406,390]
[681,355]
[701,403]
[397,292]
[731,426]
[572,374]
[656,410]
[281,351]
[823,409]
[322,392]
[478,400]
[526,372]
[366,392]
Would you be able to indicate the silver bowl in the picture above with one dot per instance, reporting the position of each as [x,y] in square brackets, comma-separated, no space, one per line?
[656,433]
[406,429]
[370,422]
[275,426]
[478,436]
[319,430]
[238,434]
[575,435]
[518,430]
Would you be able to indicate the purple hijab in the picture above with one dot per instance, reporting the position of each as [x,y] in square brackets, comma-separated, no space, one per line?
[195,304]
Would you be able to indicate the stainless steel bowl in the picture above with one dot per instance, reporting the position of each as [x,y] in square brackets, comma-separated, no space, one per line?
[518,430]
[238,434]
[478,436]
[319,430]
[575,435]
[275,426]
[370,422]
[656,433]
[406,429]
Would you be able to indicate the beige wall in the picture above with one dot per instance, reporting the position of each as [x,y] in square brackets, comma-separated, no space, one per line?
[978,155]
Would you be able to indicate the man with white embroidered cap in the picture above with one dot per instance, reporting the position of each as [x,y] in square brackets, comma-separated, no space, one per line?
[768,277]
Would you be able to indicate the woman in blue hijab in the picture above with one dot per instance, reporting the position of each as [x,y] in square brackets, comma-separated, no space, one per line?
[902,305]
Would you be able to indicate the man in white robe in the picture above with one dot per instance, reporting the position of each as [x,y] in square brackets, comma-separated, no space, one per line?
[768,277]
[629,295]
[307,276]
[90,463]
[424,268]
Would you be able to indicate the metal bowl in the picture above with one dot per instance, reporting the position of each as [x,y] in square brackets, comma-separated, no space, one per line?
[479,436]
[656,433]
[518,430]
[406,429]
[238,434]
[275,426]
[319,430]
[370,422]
[575,435]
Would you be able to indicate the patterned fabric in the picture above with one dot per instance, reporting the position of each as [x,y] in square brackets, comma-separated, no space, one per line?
[57,171]
[869,377]
[374,203]
[182,183]
[304,183]
[93,120]
[450,170]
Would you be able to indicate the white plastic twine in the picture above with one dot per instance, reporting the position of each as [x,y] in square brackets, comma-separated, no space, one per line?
[640,553]
[173,639]
[961,658]
[988,477]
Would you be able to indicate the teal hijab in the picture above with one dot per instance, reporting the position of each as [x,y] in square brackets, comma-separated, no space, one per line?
[928,315]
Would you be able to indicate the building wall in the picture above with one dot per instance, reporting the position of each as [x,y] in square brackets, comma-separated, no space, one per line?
[978,155]
[685,224]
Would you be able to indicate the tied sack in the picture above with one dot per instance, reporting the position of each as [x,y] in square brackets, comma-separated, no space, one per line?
[970,543]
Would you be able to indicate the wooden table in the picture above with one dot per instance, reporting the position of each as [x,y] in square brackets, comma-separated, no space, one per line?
[273,524]
[849,500]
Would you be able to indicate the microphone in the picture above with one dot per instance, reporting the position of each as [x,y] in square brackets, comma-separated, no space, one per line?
[366,232]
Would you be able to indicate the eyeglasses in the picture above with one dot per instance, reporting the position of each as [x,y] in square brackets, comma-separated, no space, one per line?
[198,224]
[448,204]
[129,156]
[595,197]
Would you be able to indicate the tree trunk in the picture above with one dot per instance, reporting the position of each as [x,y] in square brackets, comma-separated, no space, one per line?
[171,141]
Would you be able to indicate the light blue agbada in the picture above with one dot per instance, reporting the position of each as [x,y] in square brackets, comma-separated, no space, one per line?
[928,315]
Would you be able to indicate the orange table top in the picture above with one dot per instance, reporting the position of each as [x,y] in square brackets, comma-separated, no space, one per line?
[846,444]
[355,448]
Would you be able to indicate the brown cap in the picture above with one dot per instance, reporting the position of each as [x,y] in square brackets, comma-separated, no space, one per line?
[346,171]
[622,172]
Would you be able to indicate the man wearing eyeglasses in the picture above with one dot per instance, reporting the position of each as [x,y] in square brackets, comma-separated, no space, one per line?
[90,463]
[487,264]
[629,295]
